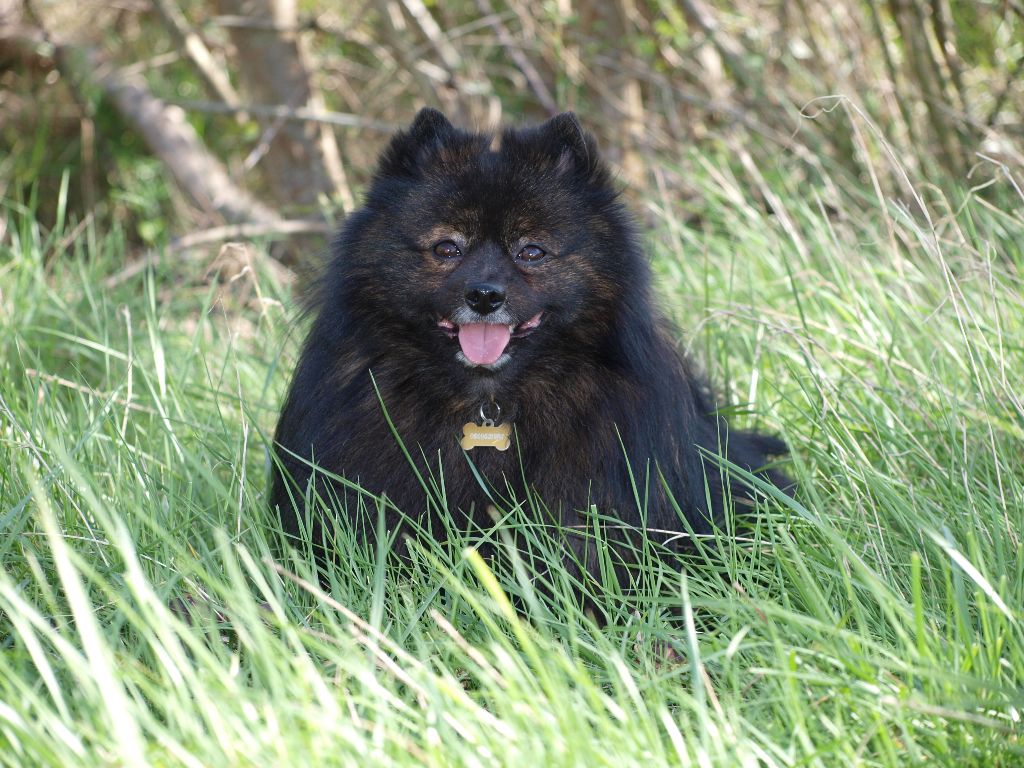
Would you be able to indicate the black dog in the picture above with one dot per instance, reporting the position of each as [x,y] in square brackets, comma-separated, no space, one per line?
[496,294]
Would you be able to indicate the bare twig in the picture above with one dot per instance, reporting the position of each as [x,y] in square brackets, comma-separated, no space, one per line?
[537,85]
[272,230]
[1011,78]
[929,79]
[236,21]
[949,53]
[316,23]
[263,144]
[296,114]
[890,68]
[432,31]
[438,83]
[702,17]
[215,78]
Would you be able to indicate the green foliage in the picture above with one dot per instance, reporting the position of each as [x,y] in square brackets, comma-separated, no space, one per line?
[148,614]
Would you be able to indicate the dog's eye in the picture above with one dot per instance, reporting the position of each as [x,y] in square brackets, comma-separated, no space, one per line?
[531,253]
[446,249]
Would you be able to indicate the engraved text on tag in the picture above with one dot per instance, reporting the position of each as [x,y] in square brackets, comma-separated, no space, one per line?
[486,436]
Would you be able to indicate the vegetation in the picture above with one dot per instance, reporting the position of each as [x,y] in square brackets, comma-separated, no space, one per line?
[875,620]
[852,286]
[262,81]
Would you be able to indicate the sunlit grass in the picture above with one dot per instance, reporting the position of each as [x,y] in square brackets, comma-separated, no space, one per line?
[149,614]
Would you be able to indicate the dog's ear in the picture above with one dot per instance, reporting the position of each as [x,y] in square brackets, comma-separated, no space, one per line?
[430,125]
[576,150]
[430,130]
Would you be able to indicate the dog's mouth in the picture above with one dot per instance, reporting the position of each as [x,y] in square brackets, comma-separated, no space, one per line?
[485,343]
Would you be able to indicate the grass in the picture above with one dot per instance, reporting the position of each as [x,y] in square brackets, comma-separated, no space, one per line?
[146,617]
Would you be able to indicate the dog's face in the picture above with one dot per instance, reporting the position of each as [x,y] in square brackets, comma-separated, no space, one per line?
[485,256]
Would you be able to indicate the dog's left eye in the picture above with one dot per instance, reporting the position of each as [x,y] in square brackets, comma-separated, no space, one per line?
[446,249]
[531,253]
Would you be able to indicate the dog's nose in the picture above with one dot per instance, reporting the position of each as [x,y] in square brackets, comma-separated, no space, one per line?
[484,298]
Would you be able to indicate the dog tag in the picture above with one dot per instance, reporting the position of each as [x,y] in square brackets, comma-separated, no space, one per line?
[486,435]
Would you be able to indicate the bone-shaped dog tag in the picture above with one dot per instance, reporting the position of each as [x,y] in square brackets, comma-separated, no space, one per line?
[486,435]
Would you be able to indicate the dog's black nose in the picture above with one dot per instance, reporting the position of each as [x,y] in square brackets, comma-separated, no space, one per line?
[484,298]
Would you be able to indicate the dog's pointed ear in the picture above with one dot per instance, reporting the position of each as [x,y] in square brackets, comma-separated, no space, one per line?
[430,125]
[576,149]
[430,130]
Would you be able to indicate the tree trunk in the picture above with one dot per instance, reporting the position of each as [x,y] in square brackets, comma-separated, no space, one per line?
[301,160]
[623,100]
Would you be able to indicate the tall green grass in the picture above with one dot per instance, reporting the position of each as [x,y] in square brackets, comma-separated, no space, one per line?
[148,615]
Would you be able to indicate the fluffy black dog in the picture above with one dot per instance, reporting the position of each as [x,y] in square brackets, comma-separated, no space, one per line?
[500,281]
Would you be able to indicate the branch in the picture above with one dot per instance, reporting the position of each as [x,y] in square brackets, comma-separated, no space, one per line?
[163,127]
[537,85]
[244,231]
[215,78]
[173,139]
[283,112]
[702,17]
[432,31]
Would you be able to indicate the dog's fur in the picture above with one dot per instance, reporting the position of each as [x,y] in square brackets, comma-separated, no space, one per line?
[600,379]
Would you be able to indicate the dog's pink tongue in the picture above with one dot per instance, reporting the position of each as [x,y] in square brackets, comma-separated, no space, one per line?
[483,343]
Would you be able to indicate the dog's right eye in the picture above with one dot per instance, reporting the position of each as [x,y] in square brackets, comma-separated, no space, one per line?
[446,249]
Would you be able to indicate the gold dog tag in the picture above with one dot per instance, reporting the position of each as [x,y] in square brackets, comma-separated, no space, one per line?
[486,435]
